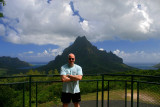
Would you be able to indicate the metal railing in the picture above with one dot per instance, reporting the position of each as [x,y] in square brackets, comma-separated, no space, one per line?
[131,82]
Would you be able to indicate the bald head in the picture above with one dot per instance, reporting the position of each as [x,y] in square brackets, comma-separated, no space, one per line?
[71,59]
[71,55]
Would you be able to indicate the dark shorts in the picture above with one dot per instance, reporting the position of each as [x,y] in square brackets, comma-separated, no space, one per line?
[67,97]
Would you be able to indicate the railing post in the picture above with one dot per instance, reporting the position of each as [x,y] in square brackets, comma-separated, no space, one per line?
[108,95]
[97,95]
[125,93]
[102,89]
[132,91]
[36,94]
[30,90]
[23,94]
[137,94]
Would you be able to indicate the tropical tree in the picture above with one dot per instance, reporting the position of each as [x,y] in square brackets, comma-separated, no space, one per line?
[2,2]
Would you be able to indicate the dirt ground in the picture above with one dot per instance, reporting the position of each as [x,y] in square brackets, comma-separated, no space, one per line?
[92,103]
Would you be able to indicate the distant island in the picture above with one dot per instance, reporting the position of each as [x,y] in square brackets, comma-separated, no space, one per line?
[10,65]
[9,62]
[157,66]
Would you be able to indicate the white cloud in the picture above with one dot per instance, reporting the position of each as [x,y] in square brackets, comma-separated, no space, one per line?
[116,52]
[46,55]
[101,49]
[25,54]
[39,22]
[84,25]
[114,18]
[45,52]
[138,56]
[29,52]
[50,53]
[2,30]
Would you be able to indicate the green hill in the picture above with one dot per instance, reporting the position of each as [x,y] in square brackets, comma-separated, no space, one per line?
[157,66]
[91,59]
[8,62]
[9,65]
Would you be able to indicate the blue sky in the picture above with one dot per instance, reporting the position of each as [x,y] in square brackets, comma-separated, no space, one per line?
[39,30]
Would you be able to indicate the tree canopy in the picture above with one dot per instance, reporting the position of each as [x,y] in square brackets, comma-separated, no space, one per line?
[2,2]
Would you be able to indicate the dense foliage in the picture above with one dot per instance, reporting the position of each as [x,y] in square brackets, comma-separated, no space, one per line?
[3,72]
[2,2]
[6,96]
[51,91]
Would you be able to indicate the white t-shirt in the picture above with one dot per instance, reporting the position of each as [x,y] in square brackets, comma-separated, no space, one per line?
[72,86]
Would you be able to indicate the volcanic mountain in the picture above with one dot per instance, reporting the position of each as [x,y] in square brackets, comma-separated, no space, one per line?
[91,59]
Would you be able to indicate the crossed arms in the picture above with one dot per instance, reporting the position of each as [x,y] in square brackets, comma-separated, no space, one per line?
[68,78]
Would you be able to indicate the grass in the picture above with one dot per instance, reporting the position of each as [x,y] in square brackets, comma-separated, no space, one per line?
[144,96]
[50,104]
[92,96]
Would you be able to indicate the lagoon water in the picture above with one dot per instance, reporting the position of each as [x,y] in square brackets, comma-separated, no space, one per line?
[34,65]
[144,66]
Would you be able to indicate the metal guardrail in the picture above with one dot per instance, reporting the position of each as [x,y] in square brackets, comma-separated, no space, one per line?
[102,80]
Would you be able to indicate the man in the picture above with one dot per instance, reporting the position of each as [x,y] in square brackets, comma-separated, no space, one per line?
[70,75]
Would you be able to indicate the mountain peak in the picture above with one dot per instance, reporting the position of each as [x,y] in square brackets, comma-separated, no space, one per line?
[81,41]
[89,58]
[81,38]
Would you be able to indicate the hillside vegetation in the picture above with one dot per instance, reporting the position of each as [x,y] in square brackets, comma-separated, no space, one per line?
[50,92]
[9,65]
[9,62]
[157,66]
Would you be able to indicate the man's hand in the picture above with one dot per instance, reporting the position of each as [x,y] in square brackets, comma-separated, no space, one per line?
[65,78]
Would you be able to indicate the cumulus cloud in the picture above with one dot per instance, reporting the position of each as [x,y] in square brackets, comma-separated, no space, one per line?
[24,54]
[138,56]
[40,22]
[101,49]
[125,20]
[84,25]
[29,52]
[2,30]
[50,53]
[46,55]
[54,22]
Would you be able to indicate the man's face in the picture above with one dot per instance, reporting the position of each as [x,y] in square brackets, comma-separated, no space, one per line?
[71,59]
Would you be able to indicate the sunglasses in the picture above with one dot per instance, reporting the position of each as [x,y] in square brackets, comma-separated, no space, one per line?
[71,58]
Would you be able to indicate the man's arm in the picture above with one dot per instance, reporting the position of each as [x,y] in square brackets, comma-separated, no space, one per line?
[65,78]
[68,78]
[75,77]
